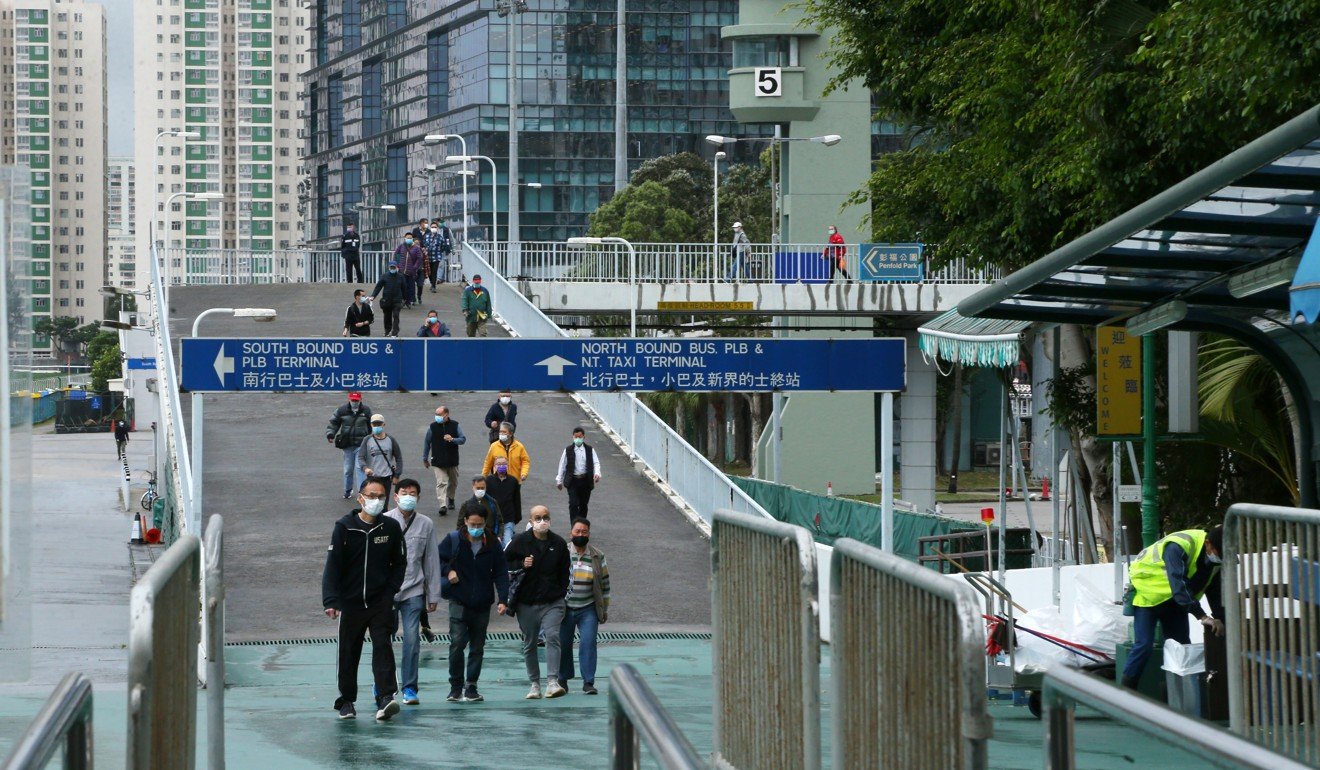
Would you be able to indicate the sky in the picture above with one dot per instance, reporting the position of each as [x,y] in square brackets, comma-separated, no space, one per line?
[119,62]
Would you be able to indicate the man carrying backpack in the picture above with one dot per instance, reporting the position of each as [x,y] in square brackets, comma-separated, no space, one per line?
[349,425]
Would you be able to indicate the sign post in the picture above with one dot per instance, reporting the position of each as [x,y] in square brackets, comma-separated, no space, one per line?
[988,519]
[891,262]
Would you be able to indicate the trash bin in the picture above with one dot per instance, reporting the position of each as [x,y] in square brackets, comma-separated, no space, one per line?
[1184,677]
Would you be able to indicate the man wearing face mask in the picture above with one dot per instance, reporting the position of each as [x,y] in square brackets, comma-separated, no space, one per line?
[357,322]
[486,503]
[1169,578]
[433,326]
[836,254]
[440,454]
[587,606]
[380,457]
[390,289]
[503,410]
[364,570]
[543,556]
[348,427]
[475,576]
[476,308]
[349,244]
[579,471]
[512,450]
[409,257]
[505,490]
[121,437]
[420,591]
[439,245]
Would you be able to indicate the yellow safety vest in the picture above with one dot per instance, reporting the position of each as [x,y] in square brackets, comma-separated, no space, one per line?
[1147,573]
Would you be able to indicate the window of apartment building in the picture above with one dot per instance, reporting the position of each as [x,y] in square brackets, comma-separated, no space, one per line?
[396,180]
[350,16]
[351,182]
[371,86]
[437,72]
[322,201]
[335,106]
[396,13]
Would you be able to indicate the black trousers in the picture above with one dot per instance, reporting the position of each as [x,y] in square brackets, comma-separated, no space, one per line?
[579,495]
[354,623]
[467,626]
[352,262]
[391,313]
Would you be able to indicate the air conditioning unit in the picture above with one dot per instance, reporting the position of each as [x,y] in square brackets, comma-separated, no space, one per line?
[985,453]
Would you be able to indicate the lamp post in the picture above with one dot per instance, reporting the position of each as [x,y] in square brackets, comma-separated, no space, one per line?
[494,199]
[169,228]
[577,243]
[260,314]
[368,207]
[829,140]
[509,10]
[433,139]
[155,200]
[620,96]
[715,191]
[428,174]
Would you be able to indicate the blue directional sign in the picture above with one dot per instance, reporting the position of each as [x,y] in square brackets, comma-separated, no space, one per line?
[568,364]
[142,363]
[891,262]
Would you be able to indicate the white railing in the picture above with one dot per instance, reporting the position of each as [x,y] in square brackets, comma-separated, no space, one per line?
[702,486]
[174,470]
[546,261]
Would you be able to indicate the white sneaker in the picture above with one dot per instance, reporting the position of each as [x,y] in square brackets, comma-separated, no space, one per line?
[535,692]
[555,691]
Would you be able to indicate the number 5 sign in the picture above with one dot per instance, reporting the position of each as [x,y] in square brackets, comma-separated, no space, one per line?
[769,81]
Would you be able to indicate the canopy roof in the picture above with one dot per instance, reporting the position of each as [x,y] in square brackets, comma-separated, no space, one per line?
[972,341]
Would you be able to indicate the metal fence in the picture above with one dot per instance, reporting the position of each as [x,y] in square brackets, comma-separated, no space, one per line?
[162,661]
[1066,689]
[673,460]
[636,716]
[1272,591]
[213,640]
[908,665]
[766,647]
[174,470]
[63,726]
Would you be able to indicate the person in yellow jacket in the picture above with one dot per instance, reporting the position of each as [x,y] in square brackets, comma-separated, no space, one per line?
[513,450]
[1168,579]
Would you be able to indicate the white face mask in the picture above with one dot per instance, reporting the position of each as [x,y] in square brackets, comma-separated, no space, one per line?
[504,437]
[408,502]
[478,493]
[1213,558]
[506,400]
[541,526]
[373,507]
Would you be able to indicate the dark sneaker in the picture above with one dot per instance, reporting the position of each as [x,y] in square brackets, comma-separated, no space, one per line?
[455,694]
[444,511]
[562,682]
[347,494]
[347,711]
[387,709]
[427,634]
[589,688]
[471,695]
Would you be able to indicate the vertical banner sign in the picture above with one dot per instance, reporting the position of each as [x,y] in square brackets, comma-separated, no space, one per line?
[1117,382]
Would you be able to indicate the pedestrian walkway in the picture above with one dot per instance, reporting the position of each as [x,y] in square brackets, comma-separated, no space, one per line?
[271,473]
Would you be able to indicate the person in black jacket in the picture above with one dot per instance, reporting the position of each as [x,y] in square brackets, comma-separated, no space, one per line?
[475,575]
[357,322]
[503,410]
[350,424]
[505,490]
[349,244]
[364,569]
[121,437]
[539,602]
[390,288]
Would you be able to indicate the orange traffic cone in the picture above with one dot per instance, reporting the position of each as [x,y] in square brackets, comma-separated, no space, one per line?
[1045,488]
[136,537]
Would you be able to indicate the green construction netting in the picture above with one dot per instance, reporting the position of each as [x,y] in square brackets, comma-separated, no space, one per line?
[830,518]
[972,341]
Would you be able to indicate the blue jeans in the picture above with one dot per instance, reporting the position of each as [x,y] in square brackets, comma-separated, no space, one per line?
[586,622]
[410,620]
[507,536]
[1173,622]
[352,473]
[737,268]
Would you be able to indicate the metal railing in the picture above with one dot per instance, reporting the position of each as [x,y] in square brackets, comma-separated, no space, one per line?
[174,470]
[162,661]
[219,267]
[701,263]
[637,716]
[766,646]
[63,726]
[908,665]
[213,636]
[1066,689]
[1272,591]
[673,460]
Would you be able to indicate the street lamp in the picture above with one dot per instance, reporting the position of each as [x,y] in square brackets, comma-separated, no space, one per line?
[829,140]
[155,200]
[509,10]
[577,243]
[169,228]
[259,314]
[433,139]
[494,198]
[715,191]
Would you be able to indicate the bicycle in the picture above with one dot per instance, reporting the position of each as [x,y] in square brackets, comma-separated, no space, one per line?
[149,498]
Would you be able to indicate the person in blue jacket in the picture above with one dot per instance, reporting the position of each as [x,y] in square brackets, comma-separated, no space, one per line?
[475,576]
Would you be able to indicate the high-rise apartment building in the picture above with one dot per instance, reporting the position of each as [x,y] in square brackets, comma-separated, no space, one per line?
[120,223]
[53,110]
[226,72]
[385,73]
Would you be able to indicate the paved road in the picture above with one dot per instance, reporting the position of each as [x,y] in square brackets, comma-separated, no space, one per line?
[271,473]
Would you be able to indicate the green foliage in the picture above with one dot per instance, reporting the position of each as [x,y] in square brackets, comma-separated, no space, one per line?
[1036,122]
[106,366]
[103,341]
[1070,399]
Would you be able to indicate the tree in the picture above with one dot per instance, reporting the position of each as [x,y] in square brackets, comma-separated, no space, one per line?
[106,367]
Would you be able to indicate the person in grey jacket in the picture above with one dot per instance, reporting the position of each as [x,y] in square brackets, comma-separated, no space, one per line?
[421,581]
[379,456]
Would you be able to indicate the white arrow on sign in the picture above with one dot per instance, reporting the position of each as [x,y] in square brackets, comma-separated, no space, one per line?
[554,365]
[223,365]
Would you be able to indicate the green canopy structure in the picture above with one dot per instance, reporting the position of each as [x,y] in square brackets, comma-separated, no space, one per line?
[991,342]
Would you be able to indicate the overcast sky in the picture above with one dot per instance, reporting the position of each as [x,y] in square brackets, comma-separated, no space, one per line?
[119,62]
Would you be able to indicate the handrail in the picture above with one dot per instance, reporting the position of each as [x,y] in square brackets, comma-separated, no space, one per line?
[1065,688]
[177,457]
[636,713]
[213,625]
[65,720]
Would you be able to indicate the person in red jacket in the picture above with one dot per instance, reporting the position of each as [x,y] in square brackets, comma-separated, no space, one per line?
[837,254]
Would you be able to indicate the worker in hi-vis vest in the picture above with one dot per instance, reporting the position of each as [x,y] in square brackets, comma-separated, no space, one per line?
[1168,580]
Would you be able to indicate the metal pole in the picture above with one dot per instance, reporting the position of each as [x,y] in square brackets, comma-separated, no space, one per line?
[777,419]
[1150,508]
[715,232]
[887,471]
[1003,499]
[430,193]
[774,190]
[1117,481]
[515,33]
[197,451]
[214,612]
[1054,469]
[621,97]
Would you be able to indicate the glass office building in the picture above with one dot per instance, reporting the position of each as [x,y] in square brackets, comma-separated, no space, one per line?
[388,72]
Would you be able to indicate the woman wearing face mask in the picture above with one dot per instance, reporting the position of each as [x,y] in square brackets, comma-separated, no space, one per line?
[836,254]
[513,452]
[433,326]
[503,410]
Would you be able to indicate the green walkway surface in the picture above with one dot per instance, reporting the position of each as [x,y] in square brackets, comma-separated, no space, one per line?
[279,715]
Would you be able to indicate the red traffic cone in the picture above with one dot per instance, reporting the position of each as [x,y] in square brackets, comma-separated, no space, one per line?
[829,489]
[136,537]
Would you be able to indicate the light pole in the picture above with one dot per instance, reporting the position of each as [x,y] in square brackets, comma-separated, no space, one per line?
[429,174]
[155,200]
[494,199]
[433,139]
[169,227]
[260,314]
[829,140]
[715,191]
[367,207]
[620,96]
[509,9]
[577,243]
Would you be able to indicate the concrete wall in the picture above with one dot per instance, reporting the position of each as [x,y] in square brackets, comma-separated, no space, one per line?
[917,407]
